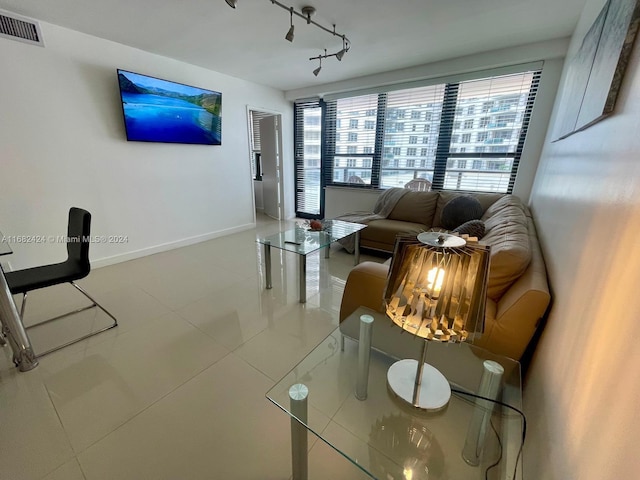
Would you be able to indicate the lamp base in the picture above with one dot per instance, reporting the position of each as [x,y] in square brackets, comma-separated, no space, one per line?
[433,393]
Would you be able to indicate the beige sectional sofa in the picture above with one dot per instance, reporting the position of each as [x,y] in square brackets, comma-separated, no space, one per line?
[518,292]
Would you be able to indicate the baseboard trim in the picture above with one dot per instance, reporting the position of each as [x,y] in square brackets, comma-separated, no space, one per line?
[123,257]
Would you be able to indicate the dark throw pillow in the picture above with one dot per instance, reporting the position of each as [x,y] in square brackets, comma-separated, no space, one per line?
[460,210]
[473,228]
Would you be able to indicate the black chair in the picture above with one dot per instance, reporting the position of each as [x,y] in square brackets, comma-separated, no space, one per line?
[76,266]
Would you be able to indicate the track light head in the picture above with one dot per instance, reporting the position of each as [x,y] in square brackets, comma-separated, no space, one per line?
[232,3]
[340,54]
[317,70]
[289,35]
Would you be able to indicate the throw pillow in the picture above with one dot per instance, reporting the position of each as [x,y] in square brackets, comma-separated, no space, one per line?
[460,210]
[473,228]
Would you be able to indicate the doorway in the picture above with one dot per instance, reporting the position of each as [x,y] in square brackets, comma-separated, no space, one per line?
[265,139]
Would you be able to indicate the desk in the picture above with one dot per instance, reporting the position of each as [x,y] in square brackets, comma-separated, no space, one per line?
[386,438]
[12,327]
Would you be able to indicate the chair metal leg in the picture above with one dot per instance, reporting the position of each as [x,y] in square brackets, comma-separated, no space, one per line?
[81,309]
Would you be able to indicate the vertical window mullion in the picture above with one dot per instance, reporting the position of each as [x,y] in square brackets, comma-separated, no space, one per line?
[444,135]
[379,146]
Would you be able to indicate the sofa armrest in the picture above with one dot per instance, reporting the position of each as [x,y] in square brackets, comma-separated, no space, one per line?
[519,310]
[364,288]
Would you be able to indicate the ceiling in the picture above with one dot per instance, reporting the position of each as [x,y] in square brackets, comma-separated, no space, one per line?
[249,43]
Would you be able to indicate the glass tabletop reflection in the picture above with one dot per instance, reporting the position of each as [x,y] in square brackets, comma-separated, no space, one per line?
[303,240]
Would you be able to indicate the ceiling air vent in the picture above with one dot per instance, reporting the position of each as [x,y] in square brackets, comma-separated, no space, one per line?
[17,27]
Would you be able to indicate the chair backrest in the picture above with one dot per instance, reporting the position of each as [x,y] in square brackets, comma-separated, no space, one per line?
[79,237]
[418,184]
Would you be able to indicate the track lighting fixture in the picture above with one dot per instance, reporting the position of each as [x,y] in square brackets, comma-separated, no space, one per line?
[341,53]
[306,13]
[317,70]
[289,35]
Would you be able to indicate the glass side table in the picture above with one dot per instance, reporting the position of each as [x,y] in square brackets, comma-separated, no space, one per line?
[388,439]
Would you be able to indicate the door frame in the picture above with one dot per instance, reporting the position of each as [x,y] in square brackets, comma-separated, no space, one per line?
[250,107]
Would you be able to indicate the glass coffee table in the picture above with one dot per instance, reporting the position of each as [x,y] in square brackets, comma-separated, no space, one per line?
[388,439]
[303,241]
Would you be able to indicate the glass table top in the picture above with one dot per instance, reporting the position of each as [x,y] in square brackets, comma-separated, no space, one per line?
[5,249]
[302,240]
[390,440]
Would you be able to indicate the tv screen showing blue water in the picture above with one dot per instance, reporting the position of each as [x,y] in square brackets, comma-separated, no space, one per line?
[161,111]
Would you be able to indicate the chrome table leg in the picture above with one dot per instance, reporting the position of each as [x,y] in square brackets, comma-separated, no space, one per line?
[13,329]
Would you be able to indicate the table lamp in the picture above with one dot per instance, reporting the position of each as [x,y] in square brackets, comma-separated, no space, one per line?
[436,290]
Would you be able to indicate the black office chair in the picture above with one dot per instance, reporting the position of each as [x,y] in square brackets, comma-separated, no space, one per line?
[76,266]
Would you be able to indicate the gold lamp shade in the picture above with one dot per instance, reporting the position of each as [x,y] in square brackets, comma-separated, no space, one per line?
[436,290]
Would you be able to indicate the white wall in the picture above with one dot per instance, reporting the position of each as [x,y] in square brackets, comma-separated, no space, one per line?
[62,143]
[339,201]
[583,391]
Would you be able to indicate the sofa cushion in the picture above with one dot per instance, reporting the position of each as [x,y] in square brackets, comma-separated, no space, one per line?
[459,210]
[473,228]
[506,232]
[416,207]
[384,231]
[485,199]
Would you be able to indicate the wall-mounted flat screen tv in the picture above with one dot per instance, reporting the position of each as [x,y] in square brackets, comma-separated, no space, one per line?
[161,111]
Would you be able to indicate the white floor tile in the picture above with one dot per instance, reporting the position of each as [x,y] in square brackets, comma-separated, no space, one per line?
[177,390]
[218,425]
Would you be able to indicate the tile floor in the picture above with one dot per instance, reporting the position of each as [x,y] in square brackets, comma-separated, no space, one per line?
[177,391]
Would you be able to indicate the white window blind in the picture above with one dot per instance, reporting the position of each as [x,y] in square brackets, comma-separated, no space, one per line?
[470,135]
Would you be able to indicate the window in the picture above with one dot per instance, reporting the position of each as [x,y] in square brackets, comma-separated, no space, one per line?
[351,162]
[371,113]
[352,149]
[353,123]
[445,157]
